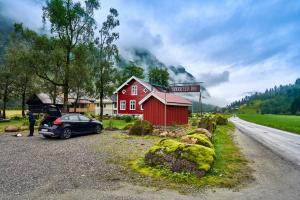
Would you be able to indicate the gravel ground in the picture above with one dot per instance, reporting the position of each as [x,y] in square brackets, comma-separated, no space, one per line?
[42,168]
[85,168]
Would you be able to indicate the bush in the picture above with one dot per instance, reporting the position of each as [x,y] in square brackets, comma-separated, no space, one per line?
[128,118]
[128,126]
[141,127]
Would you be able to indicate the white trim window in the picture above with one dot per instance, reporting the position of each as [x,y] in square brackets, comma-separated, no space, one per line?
[122,105]
[134,90]
[132,104]
[142,108]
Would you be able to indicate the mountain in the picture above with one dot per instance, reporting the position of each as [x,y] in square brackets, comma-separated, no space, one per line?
[145,59]
[283,99]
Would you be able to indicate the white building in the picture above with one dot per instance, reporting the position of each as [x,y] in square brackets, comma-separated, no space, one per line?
[109,106]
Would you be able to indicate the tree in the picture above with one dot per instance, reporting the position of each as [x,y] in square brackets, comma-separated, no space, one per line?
[159,76]
[106,53]
[81,83]
[71,24]
[295,107]
[7,78]
[129,71]
[19,50]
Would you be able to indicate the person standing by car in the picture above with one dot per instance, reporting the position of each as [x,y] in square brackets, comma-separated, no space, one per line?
[31,123]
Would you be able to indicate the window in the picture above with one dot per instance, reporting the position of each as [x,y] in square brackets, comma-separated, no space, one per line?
[134,90]
[145,90]
[104,105]
[142,107]
[73,117]
[132,104]
[123,91]
[98,104]
[115,105]
[83,118]
[123,105]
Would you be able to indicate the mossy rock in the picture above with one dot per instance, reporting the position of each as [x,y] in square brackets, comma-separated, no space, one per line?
[180,157]
[201,139]
[221,120]
[200,131]
[141,127]
[209,123]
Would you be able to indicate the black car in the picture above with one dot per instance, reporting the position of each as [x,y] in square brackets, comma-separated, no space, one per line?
[68,125]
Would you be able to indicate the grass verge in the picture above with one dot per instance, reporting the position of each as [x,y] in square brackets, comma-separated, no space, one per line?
[119,124]
[283,122]
[229,169]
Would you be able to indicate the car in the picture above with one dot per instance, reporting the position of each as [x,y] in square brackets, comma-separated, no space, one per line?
[68,125]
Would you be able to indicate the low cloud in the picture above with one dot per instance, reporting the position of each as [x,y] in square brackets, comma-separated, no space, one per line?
[213,79]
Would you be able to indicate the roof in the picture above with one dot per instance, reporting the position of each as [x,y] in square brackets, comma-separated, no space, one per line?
[45,99]
[145,84]
[171,99]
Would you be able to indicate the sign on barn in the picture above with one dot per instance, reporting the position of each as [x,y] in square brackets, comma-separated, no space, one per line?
[185,88]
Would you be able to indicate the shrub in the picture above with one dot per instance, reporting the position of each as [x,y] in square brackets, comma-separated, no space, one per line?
[128,118]
[128,126]
[141,127]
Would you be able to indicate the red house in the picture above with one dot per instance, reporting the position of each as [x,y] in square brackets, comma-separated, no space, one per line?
[137,97]
[156,104]
[129,94]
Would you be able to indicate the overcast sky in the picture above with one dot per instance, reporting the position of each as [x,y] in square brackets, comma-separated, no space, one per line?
[236,47]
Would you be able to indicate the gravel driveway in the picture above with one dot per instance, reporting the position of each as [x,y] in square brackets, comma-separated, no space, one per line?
[88,167]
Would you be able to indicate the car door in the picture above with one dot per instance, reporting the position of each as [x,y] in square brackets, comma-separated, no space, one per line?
[85,124]
[74,123]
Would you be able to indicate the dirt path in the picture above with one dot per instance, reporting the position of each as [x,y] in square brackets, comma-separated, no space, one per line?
[275,177]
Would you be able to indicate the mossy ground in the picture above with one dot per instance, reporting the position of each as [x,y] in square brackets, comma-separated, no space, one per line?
[229,169]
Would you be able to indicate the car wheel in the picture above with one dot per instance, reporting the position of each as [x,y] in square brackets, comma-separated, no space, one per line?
[67,133]
[98,129]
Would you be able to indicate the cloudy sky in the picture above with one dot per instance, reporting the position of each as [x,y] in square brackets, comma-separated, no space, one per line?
[235,46]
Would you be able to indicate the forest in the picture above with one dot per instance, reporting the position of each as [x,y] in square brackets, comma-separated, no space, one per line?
[283,99]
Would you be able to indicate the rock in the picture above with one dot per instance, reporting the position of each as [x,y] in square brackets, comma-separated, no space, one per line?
[11,128]
[201,139]
[209,123]
[188,140]
[200,131]
[221,120]
[164,134]
[23,128]
[181,157]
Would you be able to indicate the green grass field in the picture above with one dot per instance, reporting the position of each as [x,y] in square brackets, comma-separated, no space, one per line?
[284,122]
[13,113]
[120,124]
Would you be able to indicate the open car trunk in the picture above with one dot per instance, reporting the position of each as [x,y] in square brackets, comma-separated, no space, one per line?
[52,112]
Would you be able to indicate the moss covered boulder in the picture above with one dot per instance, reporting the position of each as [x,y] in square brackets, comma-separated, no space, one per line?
[200,131]
[221,120]
[208,122]
[141,127]
[181,157]
[200,139]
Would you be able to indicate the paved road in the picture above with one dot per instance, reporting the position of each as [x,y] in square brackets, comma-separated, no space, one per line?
[283,143]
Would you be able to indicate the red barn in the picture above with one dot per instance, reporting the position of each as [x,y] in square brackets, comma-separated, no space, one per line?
[130,93]
[156,103]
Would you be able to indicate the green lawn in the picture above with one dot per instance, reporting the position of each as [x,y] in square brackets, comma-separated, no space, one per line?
[13,113]
[120,124]
[284,122]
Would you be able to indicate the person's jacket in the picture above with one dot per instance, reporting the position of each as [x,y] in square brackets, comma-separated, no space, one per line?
[31,117]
